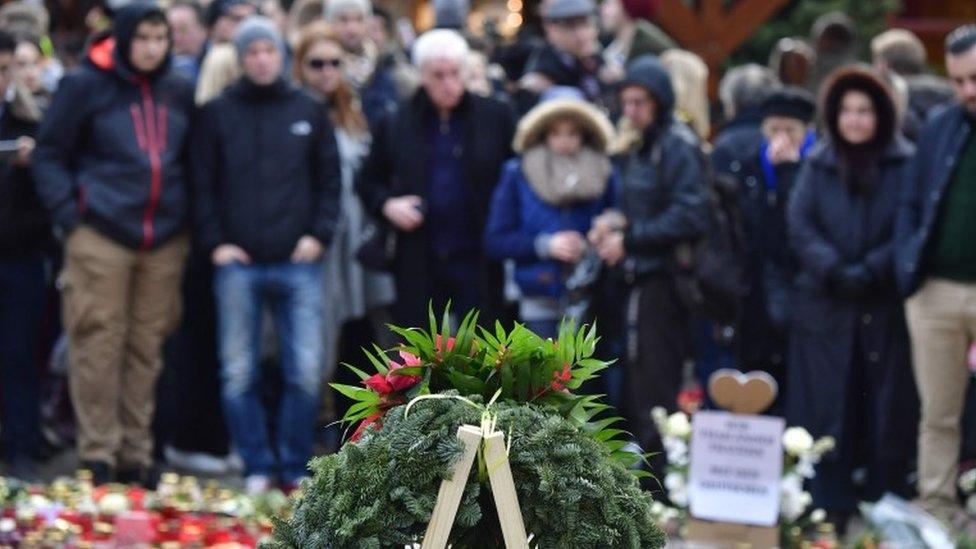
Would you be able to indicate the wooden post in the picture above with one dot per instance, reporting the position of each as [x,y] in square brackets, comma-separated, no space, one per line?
[503,490]
[449,496]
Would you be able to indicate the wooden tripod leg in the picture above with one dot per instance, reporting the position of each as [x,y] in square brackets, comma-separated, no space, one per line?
[449,496]
[503,490]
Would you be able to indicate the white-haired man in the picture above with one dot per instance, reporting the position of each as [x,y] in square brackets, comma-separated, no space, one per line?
[430,175]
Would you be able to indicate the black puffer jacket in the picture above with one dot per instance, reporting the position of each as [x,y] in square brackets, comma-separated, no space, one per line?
[111,151]
[664,195]
[265,171]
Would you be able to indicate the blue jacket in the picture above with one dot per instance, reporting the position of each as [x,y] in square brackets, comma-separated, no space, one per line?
[517,216]
[939,146]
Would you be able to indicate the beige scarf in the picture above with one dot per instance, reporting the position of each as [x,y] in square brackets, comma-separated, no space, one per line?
[560,180]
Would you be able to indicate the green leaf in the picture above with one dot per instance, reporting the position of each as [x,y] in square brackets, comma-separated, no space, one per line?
[508,379]
[607,434]
[359,373]
[359,407]
[598,426]
[615,445]
[409,371]
[417,341]
[356,393]
[465,384]
[378,360]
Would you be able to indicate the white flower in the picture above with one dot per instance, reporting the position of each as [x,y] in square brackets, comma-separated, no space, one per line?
[677,487]
[678,425]
[674,481]
[804,467]
[660,417]
[967,481]
[676,450]
[818,516]
[657,509]
[792,505]
[791,486]
[670,513]
[822,446]
[793,500]
[797,441]
[113,503]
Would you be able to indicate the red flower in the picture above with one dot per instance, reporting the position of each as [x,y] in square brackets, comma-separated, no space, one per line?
[364,424]
[394,383]
[387,385]
[402,382]
[438,342]
[560,378]
[379,384]
[690,400]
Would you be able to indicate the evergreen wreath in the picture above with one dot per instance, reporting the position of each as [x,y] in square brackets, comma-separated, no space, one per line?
[570,470]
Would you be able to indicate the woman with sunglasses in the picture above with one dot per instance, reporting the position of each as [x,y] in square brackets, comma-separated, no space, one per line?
[351,291]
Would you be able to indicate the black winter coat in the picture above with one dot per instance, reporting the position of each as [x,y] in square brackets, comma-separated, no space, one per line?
[562,69]
[664,197]
[736,143]
[830,226]
[111,151]
[396,166]
[266,171]
[24,227]
[770,265]
[939,148]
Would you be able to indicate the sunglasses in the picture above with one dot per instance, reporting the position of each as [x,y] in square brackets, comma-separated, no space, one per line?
[319,64]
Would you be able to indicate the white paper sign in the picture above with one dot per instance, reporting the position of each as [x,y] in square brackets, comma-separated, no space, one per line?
[736,467]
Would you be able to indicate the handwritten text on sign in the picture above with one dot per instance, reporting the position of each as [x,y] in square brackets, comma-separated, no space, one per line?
[736,465]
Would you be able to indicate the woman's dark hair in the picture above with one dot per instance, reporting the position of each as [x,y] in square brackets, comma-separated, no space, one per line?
[864,79]
[859,163]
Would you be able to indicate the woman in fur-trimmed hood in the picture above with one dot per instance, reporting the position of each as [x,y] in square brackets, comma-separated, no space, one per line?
[849,375]
[545,203]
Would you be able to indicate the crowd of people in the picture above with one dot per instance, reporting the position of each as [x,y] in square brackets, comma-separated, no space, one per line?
[229,198]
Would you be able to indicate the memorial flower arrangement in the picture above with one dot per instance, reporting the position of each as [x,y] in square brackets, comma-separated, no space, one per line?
[572,473]
[801,454]
[72,513]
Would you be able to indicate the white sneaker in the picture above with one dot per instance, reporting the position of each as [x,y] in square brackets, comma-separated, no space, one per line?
[195,462]
[234,463]
[255,485]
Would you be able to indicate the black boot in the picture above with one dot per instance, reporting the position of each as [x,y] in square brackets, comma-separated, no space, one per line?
[102,472]
[142,475]
[839,519]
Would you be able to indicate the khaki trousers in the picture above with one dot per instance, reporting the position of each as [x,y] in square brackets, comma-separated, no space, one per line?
[118,307]
[942,324]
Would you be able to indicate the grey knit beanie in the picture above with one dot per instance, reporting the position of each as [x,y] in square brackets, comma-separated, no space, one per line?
[256,28]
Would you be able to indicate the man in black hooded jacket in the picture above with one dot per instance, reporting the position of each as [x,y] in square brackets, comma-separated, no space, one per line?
[664,206]
[109,167]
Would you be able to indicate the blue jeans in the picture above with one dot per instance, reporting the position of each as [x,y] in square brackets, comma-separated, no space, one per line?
[295,294]
[22,290]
